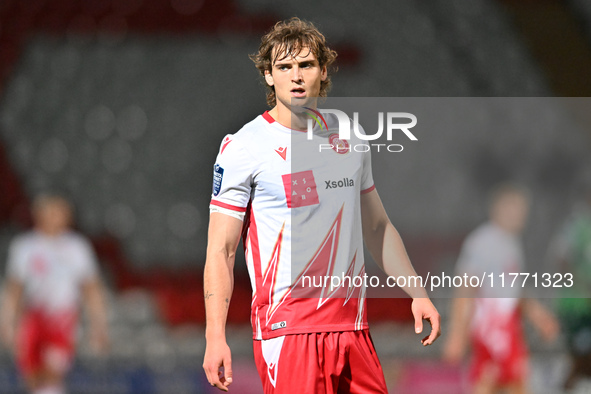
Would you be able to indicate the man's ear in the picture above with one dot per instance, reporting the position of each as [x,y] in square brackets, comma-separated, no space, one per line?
[269,78]
[324,74]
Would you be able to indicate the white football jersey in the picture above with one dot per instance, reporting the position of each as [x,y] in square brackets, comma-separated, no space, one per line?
[302,223]
[491,250]
[52,269]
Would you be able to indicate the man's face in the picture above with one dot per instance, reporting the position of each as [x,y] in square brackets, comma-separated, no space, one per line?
[53,216]
[296,79]
[511,211]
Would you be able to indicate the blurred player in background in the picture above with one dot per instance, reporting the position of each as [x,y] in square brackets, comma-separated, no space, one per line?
[302,344]
[490,317]
[572,250]
[48,270]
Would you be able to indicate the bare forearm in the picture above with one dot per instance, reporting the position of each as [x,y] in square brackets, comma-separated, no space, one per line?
[9,309]
[7,317]
[95,301]
[387,249]
[218,283]
[384,243]
[10,303]
[460,316]
[457,340]
[531,308]
[543,319]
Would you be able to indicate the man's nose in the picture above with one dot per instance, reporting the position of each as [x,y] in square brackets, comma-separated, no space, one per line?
[296,74]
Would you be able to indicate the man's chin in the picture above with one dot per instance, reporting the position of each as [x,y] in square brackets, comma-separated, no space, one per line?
[302,102]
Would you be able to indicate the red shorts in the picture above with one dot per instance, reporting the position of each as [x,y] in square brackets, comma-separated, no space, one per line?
[333,362]
[46,342]
[511,366]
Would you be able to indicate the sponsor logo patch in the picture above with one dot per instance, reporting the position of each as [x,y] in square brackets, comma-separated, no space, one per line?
[345,182]
[218,175]
[300,189]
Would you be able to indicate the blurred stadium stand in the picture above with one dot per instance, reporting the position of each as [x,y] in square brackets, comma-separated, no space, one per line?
[123,103]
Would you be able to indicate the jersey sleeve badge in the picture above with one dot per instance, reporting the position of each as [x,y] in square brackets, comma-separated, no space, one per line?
[218,175]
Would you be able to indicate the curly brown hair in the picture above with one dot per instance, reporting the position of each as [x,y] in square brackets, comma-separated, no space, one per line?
[289,37]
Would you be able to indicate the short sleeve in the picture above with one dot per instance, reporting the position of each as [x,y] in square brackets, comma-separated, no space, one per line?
[232,177]
[469,259]
[16,267]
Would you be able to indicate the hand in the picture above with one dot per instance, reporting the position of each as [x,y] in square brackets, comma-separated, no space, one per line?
[423,308]
[218,355]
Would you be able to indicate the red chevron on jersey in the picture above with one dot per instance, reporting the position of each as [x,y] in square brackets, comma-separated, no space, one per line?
[350,272]
[322,260]
[345,288]
[361,318]
[322,263]
[271,276]
[322,266]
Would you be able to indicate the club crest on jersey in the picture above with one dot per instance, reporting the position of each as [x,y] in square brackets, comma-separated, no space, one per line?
[338,145]
[218,175]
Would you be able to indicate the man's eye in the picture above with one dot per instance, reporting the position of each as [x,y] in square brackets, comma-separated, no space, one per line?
[283,68]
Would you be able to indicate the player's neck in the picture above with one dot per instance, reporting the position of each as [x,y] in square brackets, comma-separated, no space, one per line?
[50,232]
[506,228]
[285,117]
